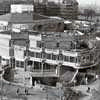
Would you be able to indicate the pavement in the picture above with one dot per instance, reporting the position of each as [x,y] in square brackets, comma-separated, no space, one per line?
[93,94]
[8,90]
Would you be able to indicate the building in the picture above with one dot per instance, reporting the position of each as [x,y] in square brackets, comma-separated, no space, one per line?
[68,9]
[48,55]
[29,21]
[20,8]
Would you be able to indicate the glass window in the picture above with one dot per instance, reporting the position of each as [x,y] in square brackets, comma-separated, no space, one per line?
[32,54]
[54,57]
[39,44]
[88,58]
[17,64]
[66,58]
[78,59]
[72,59]
[38,55]
[30,63]
[60,57]
[57,45]
[22,64]
[48,56]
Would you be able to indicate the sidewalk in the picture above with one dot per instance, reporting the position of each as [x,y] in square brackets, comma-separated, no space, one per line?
[19,78]
[22,77]
[94,90]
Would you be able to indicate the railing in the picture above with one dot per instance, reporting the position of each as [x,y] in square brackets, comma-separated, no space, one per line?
[44,73]
[44,70]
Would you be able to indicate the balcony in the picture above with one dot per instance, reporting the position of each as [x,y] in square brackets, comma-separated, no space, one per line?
[44,73]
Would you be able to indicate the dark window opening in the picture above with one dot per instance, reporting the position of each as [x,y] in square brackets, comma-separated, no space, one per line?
[48,56]
[39,44]
[54,57]
[66,58]
[30,63]
[38,55]
[40,27]
[72,59]
[57,45]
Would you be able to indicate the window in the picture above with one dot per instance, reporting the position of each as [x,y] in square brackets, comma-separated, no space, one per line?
[39,44]
[72,59]
[30,63]
[57,45]
[32,54]
[60,57]
[48,56]
[54,57]
[25,53]
[39,27]
[83,59]
[88,58]
[38,55]
[66,58]
[20,64]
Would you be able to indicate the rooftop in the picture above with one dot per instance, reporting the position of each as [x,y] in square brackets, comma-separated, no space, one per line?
[22,17]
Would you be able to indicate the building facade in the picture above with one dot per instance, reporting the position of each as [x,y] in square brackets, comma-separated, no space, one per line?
[67,9]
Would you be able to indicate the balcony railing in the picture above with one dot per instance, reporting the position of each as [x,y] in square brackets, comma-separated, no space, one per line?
[44,73]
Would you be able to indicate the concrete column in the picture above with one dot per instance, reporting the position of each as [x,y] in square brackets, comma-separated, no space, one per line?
[30,80]
[42,66]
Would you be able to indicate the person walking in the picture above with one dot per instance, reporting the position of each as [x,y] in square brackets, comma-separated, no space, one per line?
[26,91]
[18,91]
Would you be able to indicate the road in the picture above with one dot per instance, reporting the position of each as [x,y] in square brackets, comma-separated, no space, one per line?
[94,93]
[9,91]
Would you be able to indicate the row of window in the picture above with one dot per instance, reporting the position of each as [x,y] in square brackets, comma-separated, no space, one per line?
[53,56]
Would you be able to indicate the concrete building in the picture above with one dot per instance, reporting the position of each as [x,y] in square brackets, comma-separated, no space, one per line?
[20,8]
[29,21]
[47,55]
[68,9]
[50,54]
[16,21]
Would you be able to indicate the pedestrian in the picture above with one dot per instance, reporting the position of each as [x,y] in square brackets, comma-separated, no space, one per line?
[88,90]
[17,91]
[26,91]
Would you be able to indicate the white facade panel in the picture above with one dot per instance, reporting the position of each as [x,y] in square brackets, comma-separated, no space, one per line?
[33,40]
[4,52]
[19,53]
[3,26]
[19,8]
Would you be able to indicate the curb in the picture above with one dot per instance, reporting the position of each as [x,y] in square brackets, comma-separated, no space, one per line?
[16,84]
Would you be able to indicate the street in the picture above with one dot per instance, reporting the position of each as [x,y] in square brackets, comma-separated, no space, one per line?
[9,92]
